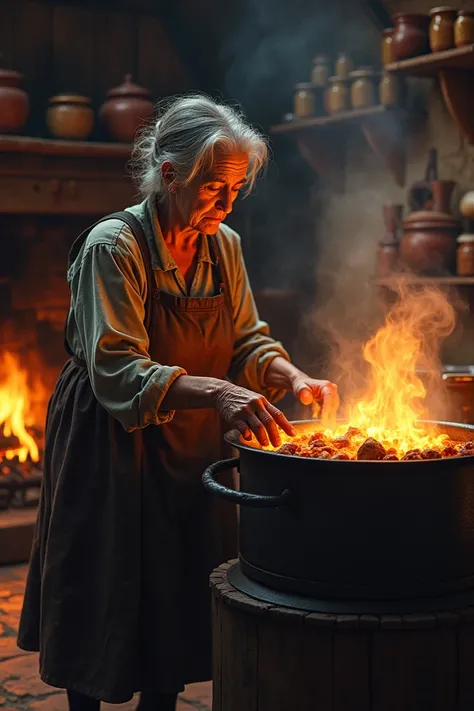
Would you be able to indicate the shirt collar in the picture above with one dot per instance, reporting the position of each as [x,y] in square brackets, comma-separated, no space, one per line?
[161,257]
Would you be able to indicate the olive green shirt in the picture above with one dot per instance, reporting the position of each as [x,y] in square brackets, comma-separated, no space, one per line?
[105,325]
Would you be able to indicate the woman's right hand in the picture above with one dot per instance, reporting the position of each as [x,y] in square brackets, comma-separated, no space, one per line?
[250,413]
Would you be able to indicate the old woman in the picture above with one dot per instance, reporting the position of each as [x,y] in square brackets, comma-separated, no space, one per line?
[167,350]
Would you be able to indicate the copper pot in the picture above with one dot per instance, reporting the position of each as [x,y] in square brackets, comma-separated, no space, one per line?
[14,104]
[410,38]
[428,244]
[125,109]
[70,116]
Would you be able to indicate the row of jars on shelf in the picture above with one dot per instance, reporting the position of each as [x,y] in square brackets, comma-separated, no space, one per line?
[361,88]
[72,116]
[390,258]
[414,34]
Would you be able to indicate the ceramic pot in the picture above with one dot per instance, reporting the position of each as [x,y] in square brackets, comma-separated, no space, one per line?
[70,116]
[14,104]
[321,71]
[464,28]
[442,192]
[428,244]
[362,88]
[441,31]
[410,38]
[343,65]
[337,97]
[465,255]
[126,108]
[304,103]
[387,259]
[387,54]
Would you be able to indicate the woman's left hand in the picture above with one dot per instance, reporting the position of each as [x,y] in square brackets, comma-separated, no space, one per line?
[283,374]
[308,390]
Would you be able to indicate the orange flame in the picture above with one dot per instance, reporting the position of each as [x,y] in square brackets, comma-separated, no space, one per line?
[20,401]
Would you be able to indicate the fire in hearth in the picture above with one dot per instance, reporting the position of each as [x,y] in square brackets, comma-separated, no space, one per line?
[23,399]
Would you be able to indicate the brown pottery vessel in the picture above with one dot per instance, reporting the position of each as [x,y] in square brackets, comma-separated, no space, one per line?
[70,116]
[14,103]
[410,38]
[125,109]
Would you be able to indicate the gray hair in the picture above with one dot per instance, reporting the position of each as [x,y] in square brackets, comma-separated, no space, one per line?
[187,132]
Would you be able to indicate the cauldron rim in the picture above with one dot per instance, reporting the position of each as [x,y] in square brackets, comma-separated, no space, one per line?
[234,438]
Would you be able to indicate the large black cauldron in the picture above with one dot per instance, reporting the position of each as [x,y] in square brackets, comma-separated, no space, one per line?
[344,531]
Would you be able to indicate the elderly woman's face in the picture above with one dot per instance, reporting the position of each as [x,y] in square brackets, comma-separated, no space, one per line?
[208,199]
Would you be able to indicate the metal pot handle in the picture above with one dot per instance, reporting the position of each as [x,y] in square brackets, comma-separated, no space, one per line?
[240,497]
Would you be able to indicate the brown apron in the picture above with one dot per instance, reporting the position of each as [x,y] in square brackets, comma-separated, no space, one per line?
[117,597]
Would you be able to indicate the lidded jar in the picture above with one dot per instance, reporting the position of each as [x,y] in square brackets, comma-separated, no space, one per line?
[337,98]
[14,103]
[441,30]
[362,88]
[464,28]
[125,109]
[321,71]
[70,116]
[304,100]
[410,38]
[389,89]
[343,65]
[465,255]
[386,48]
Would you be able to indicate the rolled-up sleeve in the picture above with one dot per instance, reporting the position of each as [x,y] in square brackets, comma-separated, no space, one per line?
[108,303]
[254,348]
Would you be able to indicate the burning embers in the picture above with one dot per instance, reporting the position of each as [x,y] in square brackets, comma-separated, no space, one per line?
[22,404]
[385,418]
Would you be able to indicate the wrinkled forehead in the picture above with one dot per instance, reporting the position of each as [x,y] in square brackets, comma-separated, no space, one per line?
[227,167]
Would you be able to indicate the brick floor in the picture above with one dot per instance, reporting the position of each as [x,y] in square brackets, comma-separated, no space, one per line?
[21,689]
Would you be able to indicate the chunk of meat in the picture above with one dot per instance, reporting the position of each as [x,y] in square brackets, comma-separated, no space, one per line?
[390,457]
[430,454]
[352,432]
[370,450]
[323,455]
[468,445]
[341,442]
[449,451]
[463,452]
[288,448]
[342,456]
[317,436]
[412,456]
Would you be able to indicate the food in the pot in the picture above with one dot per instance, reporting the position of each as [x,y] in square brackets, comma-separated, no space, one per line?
[355,445]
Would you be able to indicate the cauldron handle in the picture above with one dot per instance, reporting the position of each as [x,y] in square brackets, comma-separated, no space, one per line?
[240,497]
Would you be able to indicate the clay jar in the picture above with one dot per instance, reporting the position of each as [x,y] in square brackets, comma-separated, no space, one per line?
[441,31]
[464,28]
[125,109]
[428,244]
[337,97]
[465,255]
[410,37]
[14,104]
[70,116]
[304,104]
[362,88]
[387,54]
[321,71]
[343,65]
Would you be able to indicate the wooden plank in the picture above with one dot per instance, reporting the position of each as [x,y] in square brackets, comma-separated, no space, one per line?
[73,48]
[50,147]
[216,655]
[445,679]
[387,690]
[239,659]
[33,56]
[115,49]
[294,665]
[351,666]
[418,668]
[159,67]
[466,665]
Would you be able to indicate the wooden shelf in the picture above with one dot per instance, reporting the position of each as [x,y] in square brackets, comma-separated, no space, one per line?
[455,70]
[410,279]
[383,127]
[428,65]
[51,147]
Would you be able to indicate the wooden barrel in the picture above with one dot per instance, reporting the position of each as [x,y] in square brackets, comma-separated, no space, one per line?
[268,658]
